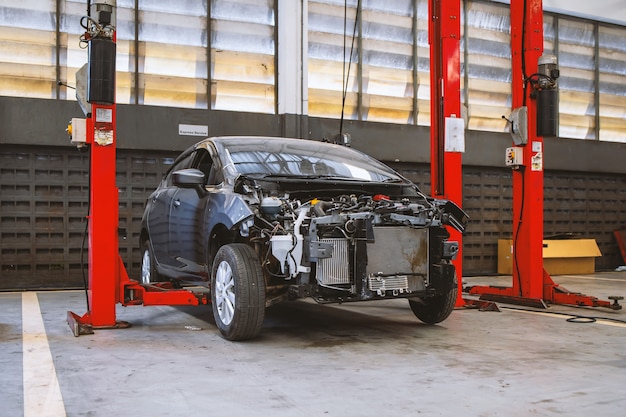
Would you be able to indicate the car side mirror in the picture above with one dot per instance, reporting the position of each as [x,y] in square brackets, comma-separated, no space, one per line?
[190,178]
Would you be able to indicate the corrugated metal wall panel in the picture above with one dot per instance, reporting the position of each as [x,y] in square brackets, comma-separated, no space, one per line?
[43,205]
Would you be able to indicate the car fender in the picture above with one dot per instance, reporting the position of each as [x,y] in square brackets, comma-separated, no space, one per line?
[228,210]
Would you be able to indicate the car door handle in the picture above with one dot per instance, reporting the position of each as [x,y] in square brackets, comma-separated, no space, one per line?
[176,203]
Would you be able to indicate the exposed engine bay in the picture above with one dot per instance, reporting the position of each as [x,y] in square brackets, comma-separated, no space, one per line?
[353,247]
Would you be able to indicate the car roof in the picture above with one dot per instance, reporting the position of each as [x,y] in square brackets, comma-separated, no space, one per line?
[229,140]
[249,142]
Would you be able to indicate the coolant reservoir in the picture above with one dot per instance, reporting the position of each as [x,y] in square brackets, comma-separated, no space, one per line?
[270,206]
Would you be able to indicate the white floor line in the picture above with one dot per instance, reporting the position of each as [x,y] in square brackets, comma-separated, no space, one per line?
[42,394]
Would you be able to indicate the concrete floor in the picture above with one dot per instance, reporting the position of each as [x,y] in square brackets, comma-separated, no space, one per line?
[363,359]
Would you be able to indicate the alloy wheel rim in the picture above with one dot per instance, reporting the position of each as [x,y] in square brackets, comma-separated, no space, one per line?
[225,293]
[145,268]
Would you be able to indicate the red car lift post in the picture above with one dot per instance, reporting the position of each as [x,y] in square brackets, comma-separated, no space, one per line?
[532,285]
[109,283]
[446,123]
[620,238]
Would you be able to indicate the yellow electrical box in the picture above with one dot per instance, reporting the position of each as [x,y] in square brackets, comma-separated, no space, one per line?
[560,257]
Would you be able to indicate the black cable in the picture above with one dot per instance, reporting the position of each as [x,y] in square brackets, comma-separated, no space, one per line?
[573,318]
[346,77]
[524,50]
[85,232]
[538,76]
[581,319]
[519,226]
[345,36]
[344,87]
[519,223]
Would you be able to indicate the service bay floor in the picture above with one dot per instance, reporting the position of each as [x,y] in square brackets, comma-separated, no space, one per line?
[363,359]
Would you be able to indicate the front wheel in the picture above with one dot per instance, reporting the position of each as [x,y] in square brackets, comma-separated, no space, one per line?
[435,309]
[148,265]
[237,292]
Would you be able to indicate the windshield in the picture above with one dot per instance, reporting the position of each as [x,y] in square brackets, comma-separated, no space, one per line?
[291,158]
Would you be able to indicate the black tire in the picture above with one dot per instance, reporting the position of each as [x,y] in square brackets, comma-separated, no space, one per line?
[435,309]
[237,292]
[148,273]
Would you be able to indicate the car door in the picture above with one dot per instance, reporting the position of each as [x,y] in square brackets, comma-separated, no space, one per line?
[159,214]
[187,235]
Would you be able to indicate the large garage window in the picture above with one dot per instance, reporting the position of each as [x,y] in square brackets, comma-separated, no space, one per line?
[327,56]
[172,51]
[28,49]
[576,52]
[612,88]
[488,65]
[378,64]
[73,53]
[242,55]
[221,54]
[421,79]
[126,62]
[387,71]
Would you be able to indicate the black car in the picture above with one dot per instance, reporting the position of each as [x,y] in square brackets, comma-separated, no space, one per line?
[261,220]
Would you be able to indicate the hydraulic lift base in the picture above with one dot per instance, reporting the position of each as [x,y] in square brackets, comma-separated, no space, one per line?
[81,325]
[552,294]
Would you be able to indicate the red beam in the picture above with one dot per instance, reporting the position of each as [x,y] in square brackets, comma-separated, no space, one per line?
[103,217]
[526,48]
[620,239]
[444,33]
[157,294]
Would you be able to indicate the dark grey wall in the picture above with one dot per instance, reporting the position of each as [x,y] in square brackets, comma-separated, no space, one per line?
[42,122]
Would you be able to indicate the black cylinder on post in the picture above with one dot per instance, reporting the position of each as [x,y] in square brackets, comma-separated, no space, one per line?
[547,112]
[101,78]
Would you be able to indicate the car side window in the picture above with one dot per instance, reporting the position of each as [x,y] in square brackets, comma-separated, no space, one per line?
[205,163]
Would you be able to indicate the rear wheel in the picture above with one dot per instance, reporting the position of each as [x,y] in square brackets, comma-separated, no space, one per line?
[237,292]
[148,265]
[435,309]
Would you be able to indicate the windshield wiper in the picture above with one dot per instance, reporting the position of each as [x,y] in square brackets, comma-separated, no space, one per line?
[308,177]
[325,177]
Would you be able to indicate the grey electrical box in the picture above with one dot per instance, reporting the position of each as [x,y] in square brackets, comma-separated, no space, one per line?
[519,125]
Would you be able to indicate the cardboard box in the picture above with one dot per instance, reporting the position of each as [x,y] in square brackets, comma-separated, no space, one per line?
[569,256]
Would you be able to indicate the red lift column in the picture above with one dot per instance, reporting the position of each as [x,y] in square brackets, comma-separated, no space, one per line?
[532,285]
[103,219]
[109,283]
[526,48]
[104,264]
[446,123]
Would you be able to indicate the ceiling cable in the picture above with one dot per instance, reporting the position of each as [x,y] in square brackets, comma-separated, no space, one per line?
[346,76]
